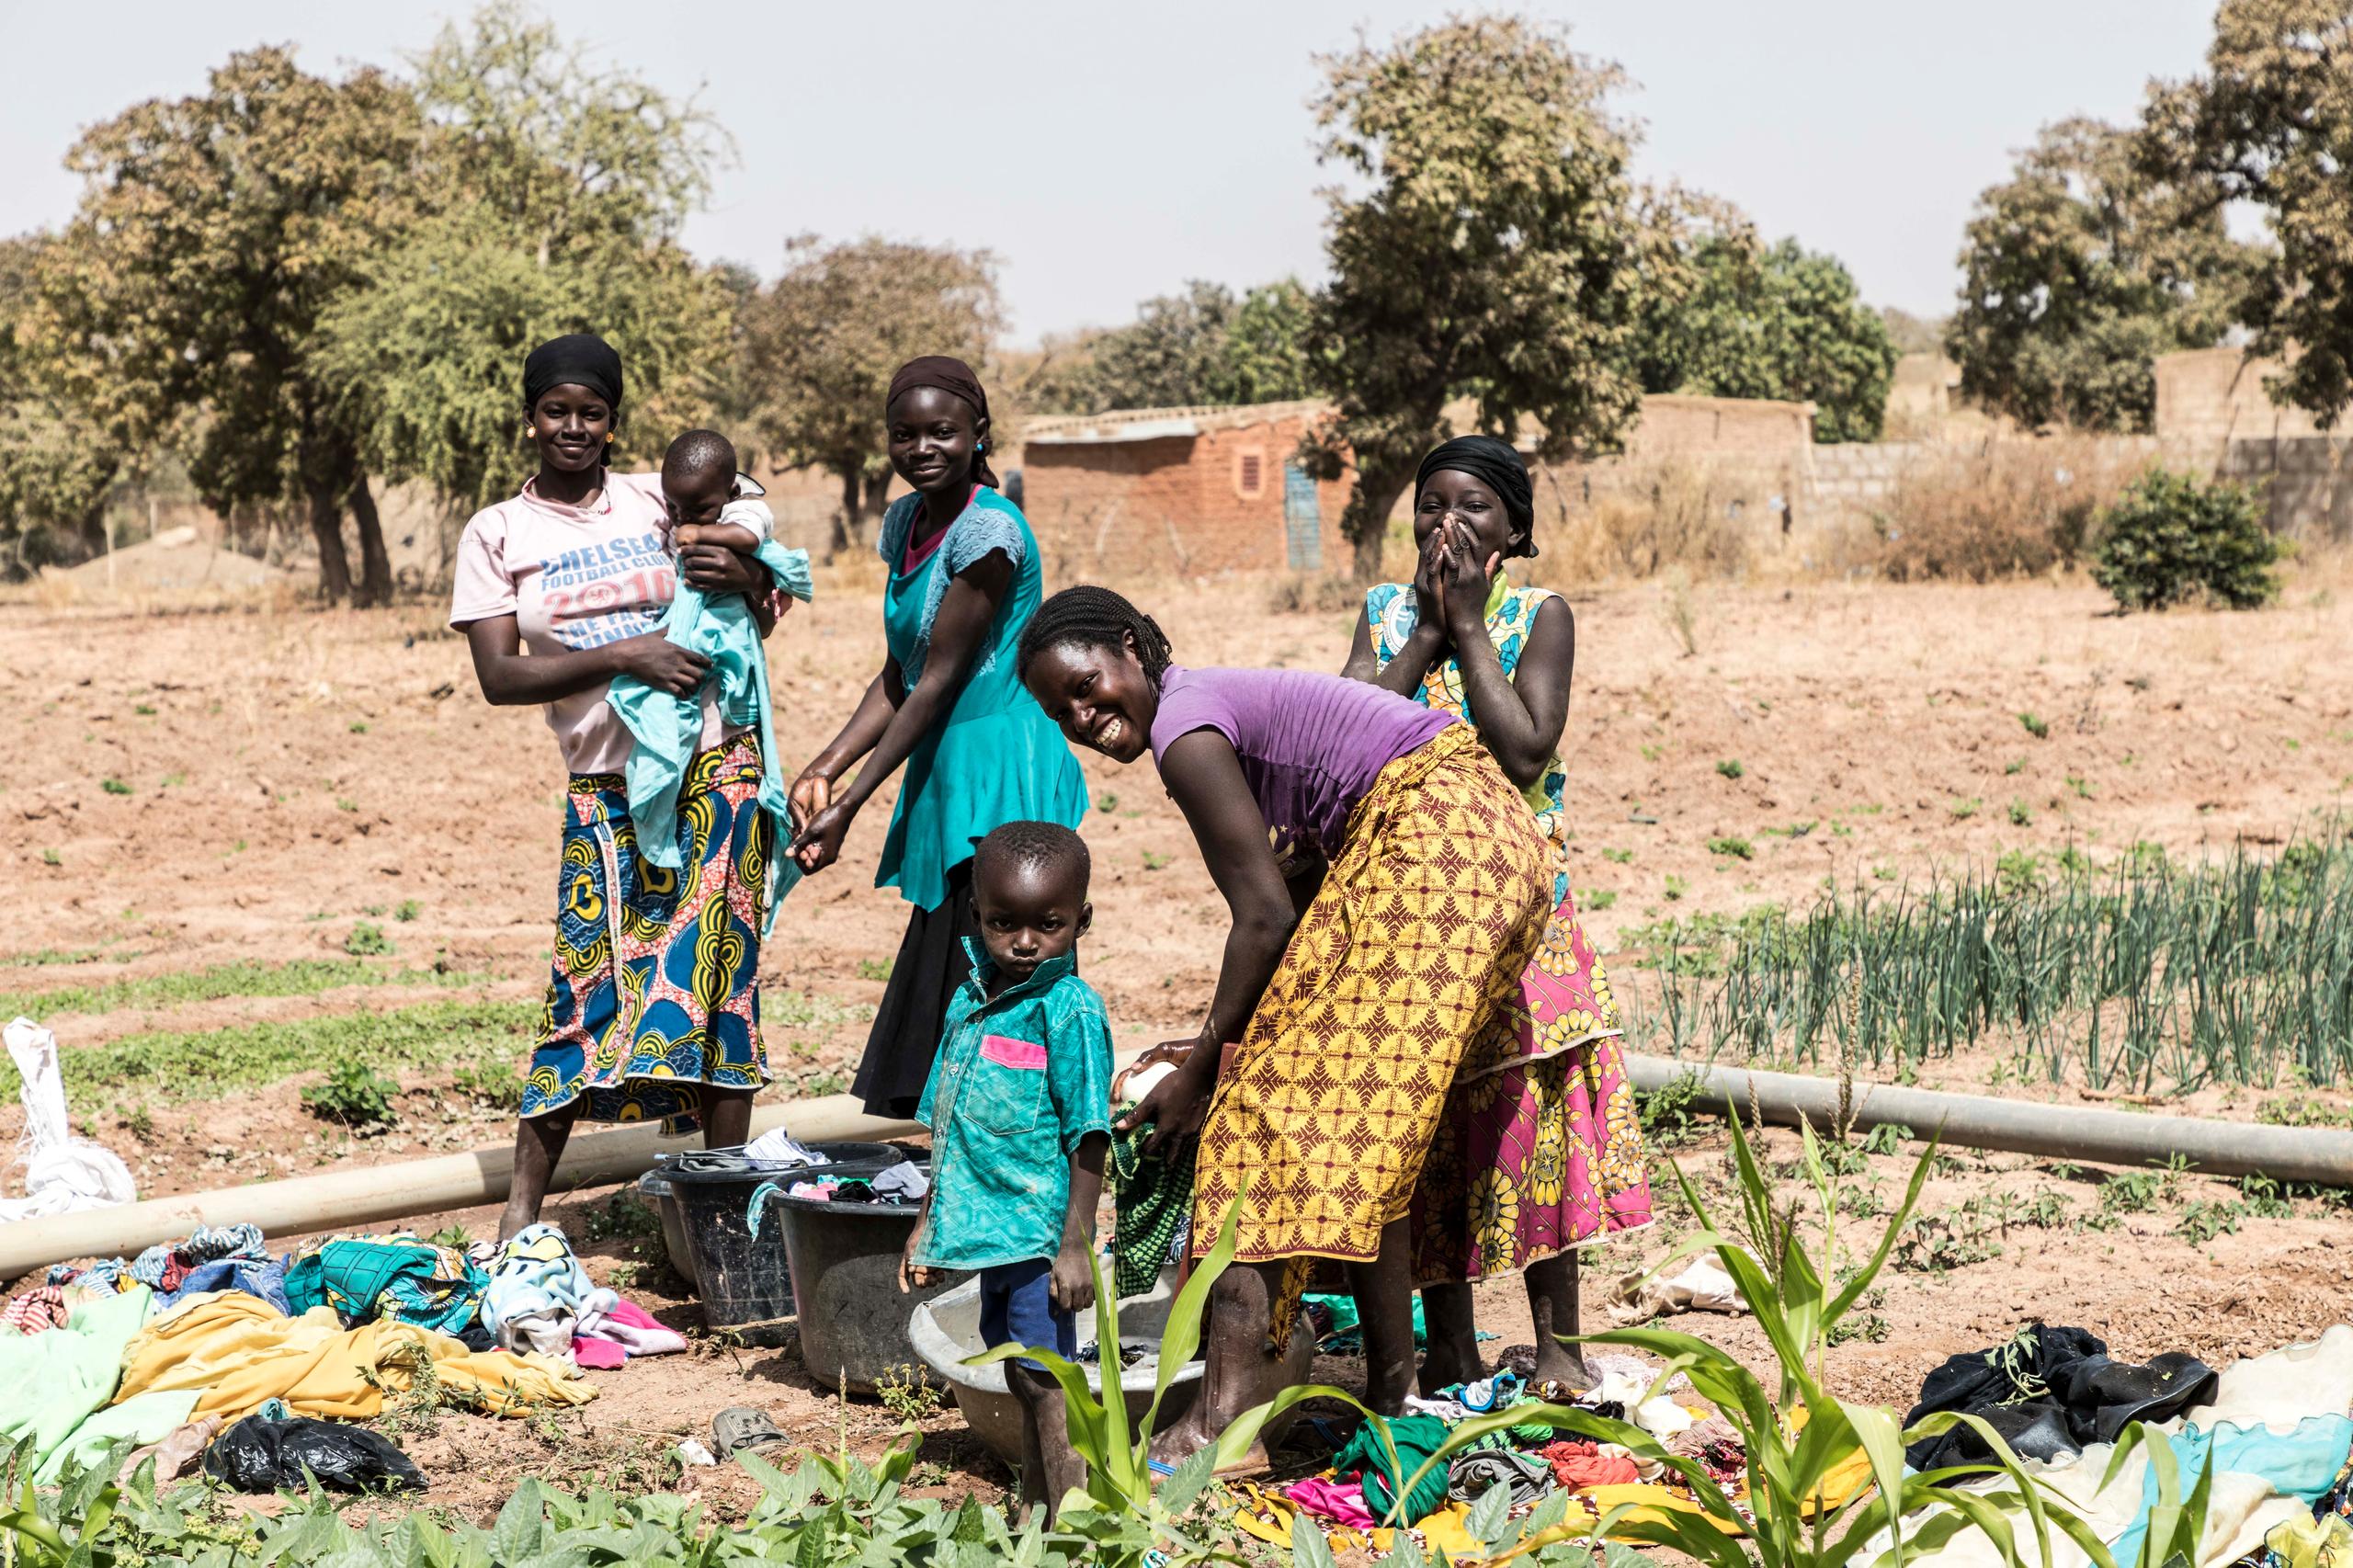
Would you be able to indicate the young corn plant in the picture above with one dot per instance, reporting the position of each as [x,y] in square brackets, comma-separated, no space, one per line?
[1801,1441]
[1124,1519]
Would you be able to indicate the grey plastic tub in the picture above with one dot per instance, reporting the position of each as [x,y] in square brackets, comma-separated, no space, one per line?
[947,1329]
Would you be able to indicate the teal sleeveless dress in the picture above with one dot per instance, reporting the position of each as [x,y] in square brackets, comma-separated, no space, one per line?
[996,758]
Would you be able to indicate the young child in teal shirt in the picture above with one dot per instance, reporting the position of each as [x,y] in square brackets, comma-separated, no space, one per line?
[1019,1107]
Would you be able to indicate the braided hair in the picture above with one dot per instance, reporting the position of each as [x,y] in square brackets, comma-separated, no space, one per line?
[1089,617]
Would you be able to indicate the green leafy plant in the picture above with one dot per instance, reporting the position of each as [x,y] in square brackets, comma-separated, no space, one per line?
[907,1394]
[2039,728]
[1963,810]
[1665,1112]
[353,1096]
[1124,1517]
[1730,847]
[114,785]
[1795,1434]
[1729,767]
[2021,816]
[367,940]
[2171,537]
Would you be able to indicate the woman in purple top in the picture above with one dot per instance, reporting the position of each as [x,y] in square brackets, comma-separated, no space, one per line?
[1387,885]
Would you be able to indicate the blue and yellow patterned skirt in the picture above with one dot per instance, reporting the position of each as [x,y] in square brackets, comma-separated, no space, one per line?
[654,992]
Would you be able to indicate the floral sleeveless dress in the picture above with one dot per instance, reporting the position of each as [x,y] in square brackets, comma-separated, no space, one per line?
[1539,1150]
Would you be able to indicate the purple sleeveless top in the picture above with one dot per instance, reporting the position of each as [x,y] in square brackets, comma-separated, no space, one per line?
[1311,744]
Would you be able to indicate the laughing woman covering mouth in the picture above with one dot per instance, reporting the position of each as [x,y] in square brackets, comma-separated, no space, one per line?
[1352,1014]
[964,581]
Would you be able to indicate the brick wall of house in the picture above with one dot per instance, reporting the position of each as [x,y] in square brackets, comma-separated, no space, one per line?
[1198,504]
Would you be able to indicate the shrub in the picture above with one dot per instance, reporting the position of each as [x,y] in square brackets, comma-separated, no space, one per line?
[367,940]
[353,1096]
[2170,538]
[2003,509]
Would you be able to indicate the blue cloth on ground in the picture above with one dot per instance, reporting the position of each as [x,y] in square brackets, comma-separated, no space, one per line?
[668,730]
[535,1271]
[265,1278]
[2302,1464]
[1017,1308]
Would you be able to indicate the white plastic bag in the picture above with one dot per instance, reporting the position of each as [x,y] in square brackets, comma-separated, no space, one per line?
[63,1173]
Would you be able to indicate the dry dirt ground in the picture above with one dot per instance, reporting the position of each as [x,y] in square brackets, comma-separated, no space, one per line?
[189,792]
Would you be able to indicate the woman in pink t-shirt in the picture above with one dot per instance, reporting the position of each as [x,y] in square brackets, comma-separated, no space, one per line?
[653,1011]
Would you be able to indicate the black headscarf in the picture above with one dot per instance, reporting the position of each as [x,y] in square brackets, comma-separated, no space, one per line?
[949,375]
[1493,463]
[575,359]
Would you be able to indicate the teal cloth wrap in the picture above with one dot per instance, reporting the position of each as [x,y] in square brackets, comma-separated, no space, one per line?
[1417,1437]
[995,757]
[667,729]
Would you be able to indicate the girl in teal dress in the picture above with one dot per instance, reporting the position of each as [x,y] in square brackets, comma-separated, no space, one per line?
[979,752]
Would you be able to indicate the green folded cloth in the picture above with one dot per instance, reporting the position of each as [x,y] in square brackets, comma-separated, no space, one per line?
[1152,1202]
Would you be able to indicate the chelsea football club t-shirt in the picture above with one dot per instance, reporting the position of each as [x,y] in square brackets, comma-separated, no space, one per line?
[576,578]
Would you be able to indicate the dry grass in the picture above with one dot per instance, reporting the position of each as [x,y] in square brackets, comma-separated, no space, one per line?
[1991,510]
[1300,593]
[1651,516]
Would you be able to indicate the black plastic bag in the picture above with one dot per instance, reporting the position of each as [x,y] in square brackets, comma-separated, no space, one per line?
[263,1456]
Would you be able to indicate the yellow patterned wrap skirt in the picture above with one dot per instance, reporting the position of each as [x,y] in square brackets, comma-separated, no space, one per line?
[1414,945]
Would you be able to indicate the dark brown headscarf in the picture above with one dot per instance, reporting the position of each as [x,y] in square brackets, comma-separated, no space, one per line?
[949,375]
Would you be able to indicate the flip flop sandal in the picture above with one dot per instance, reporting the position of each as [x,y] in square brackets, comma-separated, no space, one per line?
[739,1427]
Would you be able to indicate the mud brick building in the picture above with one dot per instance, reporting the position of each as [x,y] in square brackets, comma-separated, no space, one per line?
[1194,491]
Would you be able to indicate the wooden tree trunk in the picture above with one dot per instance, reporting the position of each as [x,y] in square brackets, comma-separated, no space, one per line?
[326,527]
[375,563]
[1366,521]
[845,520]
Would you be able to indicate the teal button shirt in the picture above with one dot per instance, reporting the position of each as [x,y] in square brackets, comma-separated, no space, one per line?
[1018,1081]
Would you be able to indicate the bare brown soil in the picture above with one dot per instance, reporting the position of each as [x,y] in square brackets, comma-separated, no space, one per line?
[299,769]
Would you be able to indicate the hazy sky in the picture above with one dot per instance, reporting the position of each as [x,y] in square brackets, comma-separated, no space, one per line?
[1108,151]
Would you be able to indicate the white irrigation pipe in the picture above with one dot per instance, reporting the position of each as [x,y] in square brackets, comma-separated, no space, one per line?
[372,1193]
[2081,1133]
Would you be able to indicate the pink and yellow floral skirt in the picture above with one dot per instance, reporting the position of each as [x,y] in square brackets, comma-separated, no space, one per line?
[1539,1151]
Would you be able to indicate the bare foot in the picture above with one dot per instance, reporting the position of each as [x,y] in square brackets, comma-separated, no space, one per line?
[1176,1444]
[1446,1365]
[1556,1363]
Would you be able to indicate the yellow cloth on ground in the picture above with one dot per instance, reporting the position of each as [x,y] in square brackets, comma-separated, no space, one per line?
[237,1351]
[1268,1516]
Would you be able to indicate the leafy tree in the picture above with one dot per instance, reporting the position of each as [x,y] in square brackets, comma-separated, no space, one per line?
[1776,322]
[1911,333]
[556,191]
[1492,246]
[1171,356]
[56,464]
[2271,123]
[1266,346]
[821,342]
[212,232]
[1202,347]
[2078,271]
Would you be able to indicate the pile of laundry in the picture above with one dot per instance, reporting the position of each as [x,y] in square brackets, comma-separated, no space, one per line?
[906,1183]
[1532,1459]
[2277,1430]
[211,1350]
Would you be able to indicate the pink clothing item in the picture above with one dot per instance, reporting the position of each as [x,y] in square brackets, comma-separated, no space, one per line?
[574,578]
[629,1328]
[1327,1499]
[591,1354]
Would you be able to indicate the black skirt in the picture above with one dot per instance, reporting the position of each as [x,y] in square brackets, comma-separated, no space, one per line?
[932,966]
